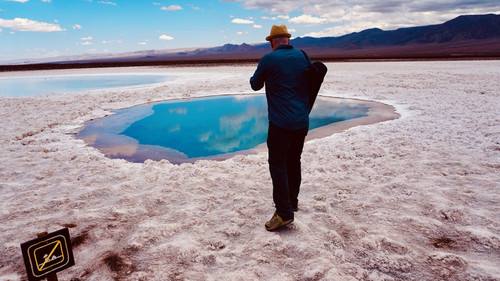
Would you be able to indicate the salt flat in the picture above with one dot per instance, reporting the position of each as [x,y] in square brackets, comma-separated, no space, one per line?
[416,198]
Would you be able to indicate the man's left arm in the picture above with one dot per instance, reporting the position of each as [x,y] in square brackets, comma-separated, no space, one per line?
[259,77]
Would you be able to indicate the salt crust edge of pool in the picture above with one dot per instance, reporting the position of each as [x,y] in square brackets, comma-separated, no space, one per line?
[378,112]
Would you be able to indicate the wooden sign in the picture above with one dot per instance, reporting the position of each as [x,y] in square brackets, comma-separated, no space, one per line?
[47,254]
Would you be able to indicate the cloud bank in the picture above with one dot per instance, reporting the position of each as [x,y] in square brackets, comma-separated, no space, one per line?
[242,21]
[171,8]
[23,24]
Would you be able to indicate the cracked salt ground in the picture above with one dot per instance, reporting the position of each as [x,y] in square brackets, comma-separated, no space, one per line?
[415,198]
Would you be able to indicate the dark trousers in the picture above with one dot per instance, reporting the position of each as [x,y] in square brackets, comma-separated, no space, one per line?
[285,148]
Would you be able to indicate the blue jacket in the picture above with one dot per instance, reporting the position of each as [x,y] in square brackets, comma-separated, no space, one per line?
[284,72]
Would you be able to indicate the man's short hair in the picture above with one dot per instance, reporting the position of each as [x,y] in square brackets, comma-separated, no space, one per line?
[281,39]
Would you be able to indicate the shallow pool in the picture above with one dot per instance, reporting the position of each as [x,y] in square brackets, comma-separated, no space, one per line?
[213,127]
[31,86]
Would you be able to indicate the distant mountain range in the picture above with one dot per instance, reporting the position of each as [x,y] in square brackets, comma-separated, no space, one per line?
[457,36]
[464,36]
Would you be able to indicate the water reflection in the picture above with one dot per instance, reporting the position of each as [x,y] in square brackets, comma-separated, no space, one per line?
[184,131]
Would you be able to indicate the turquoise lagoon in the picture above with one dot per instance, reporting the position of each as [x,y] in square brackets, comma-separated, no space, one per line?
[202,128]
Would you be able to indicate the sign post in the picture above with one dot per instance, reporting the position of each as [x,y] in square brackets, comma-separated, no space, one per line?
[47,255]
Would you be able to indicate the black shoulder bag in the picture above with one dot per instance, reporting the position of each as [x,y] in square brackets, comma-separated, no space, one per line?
[315,76]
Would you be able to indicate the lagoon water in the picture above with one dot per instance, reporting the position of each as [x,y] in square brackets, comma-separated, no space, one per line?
[31,86]
[183,131]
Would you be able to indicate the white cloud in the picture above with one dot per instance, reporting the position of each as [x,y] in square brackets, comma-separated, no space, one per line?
[76,26]
[142,43]
[273,6]
[107,3]
[47,1]
[257,26]
[23,24]
[87,38]
[171,8]
[165,37]
[242,21]
[307,19]
[111,41]
[319,8]
[283,17]
[21,1]
[358,18]
[86,43]
[346,16]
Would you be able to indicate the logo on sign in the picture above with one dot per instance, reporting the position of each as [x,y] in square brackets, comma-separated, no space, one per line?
[48,254]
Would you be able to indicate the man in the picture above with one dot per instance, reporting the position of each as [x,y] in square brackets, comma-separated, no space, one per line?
[284,73]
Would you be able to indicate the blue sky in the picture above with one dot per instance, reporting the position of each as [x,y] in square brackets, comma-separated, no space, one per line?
[33,29]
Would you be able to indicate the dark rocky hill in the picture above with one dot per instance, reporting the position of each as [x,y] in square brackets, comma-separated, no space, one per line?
[462,28]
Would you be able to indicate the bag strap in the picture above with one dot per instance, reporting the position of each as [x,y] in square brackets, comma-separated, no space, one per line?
[307,58]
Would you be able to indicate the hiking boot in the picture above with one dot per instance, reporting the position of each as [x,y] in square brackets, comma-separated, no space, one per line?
[276,222]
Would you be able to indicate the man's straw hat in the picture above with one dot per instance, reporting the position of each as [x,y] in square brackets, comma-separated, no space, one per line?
[278,31]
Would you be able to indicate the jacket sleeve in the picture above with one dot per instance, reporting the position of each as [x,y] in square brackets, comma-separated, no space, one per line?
[259,77]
